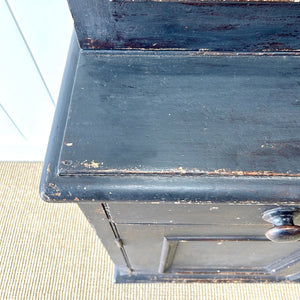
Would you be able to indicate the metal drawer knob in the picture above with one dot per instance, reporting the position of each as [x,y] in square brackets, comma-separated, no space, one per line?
[284,230]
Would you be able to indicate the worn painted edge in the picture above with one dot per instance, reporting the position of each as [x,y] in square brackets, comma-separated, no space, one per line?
[211,1]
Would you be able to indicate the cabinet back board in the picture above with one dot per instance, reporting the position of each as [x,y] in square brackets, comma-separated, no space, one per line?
[243,26]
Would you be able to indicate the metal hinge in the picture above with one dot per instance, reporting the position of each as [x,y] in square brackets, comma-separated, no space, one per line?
[117,238]
[119,242]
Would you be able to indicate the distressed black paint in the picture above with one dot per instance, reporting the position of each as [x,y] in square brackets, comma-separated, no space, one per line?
[183,114]
[175,156]
[214,26]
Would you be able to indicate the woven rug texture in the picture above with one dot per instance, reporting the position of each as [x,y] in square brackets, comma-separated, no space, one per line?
[49,251]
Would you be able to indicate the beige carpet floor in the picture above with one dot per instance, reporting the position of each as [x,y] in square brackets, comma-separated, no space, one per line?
[49,251]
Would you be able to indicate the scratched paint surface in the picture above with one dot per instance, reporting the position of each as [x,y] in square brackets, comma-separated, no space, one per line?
[212,25]
[161,114]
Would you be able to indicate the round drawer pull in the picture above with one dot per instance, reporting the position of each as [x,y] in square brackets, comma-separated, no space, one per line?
[284,230]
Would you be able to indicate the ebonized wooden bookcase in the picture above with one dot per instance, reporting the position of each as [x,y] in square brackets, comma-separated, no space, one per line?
[177,133]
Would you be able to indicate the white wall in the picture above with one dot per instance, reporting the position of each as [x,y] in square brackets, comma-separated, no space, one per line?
[35,37]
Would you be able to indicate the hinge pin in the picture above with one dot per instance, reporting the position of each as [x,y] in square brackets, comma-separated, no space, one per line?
[119,242]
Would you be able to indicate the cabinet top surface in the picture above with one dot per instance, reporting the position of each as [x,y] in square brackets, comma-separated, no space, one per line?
[164,114]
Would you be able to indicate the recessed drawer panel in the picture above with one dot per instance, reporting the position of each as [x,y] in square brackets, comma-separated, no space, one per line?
[219,254]
[215,250]
[170,213]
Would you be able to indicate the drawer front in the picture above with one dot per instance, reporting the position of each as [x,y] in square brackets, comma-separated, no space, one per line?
[241,251]
[202,214]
